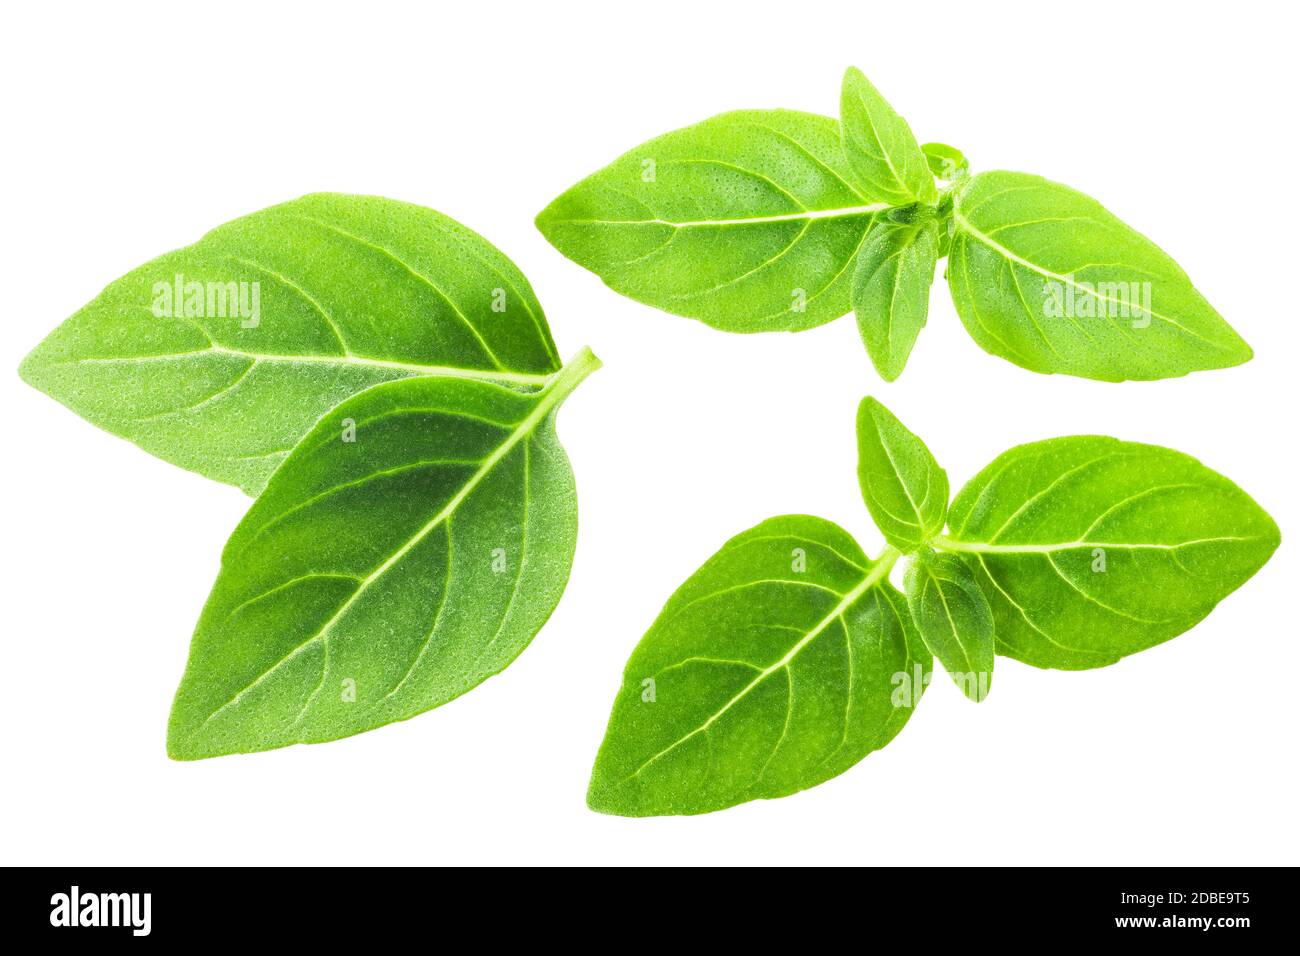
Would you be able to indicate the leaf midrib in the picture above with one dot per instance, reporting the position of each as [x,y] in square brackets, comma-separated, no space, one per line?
[349,359]
[884,153]
[981,547]
[953,627]
[917,508]
[982,237]
[878,572]
[839,213]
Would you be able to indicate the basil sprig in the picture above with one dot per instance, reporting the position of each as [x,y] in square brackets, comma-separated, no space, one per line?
[772,220]
[789,656]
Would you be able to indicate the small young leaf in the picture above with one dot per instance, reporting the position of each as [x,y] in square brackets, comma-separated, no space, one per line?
[220,356]
[747,221]
[886,160]
[954,619]
[1047,278]
[410,547]
[946,162]
[905,489]
[776,666]
[1090,549]
[891,290]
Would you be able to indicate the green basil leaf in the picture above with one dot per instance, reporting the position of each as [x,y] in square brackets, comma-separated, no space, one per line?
[220,356]
[1045,277]
[905,489]
[886,160]
[946,162]
[747,221]
[779,664]
[1090,549]
[408,548]
[891,290]
[954,619]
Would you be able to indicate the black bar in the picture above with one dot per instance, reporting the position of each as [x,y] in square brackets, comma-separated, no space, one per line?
[211,905]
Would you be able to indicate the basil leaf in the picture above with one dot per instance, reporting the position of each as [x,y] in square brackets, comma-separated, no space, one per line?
[747,221]
[1090,549]
[954,619]
[886,160]
[905,489]
[378,577]
[946,162]
[220,356]
[772,669]
[1045,277]
[891,290]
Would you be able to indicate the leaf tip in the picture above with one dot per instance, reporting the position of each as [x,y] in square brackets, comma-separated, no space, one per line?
[183,736]
[888,372]
[869,405]
[187,744]
[1236,351]
[853,75]
[1274,536]
[599,795]
[872,412]
[177,749]
[545,220]
[28,368]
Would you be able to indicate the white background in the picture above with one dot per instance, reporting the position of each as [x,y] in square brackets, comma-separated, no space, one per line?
[131,130]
